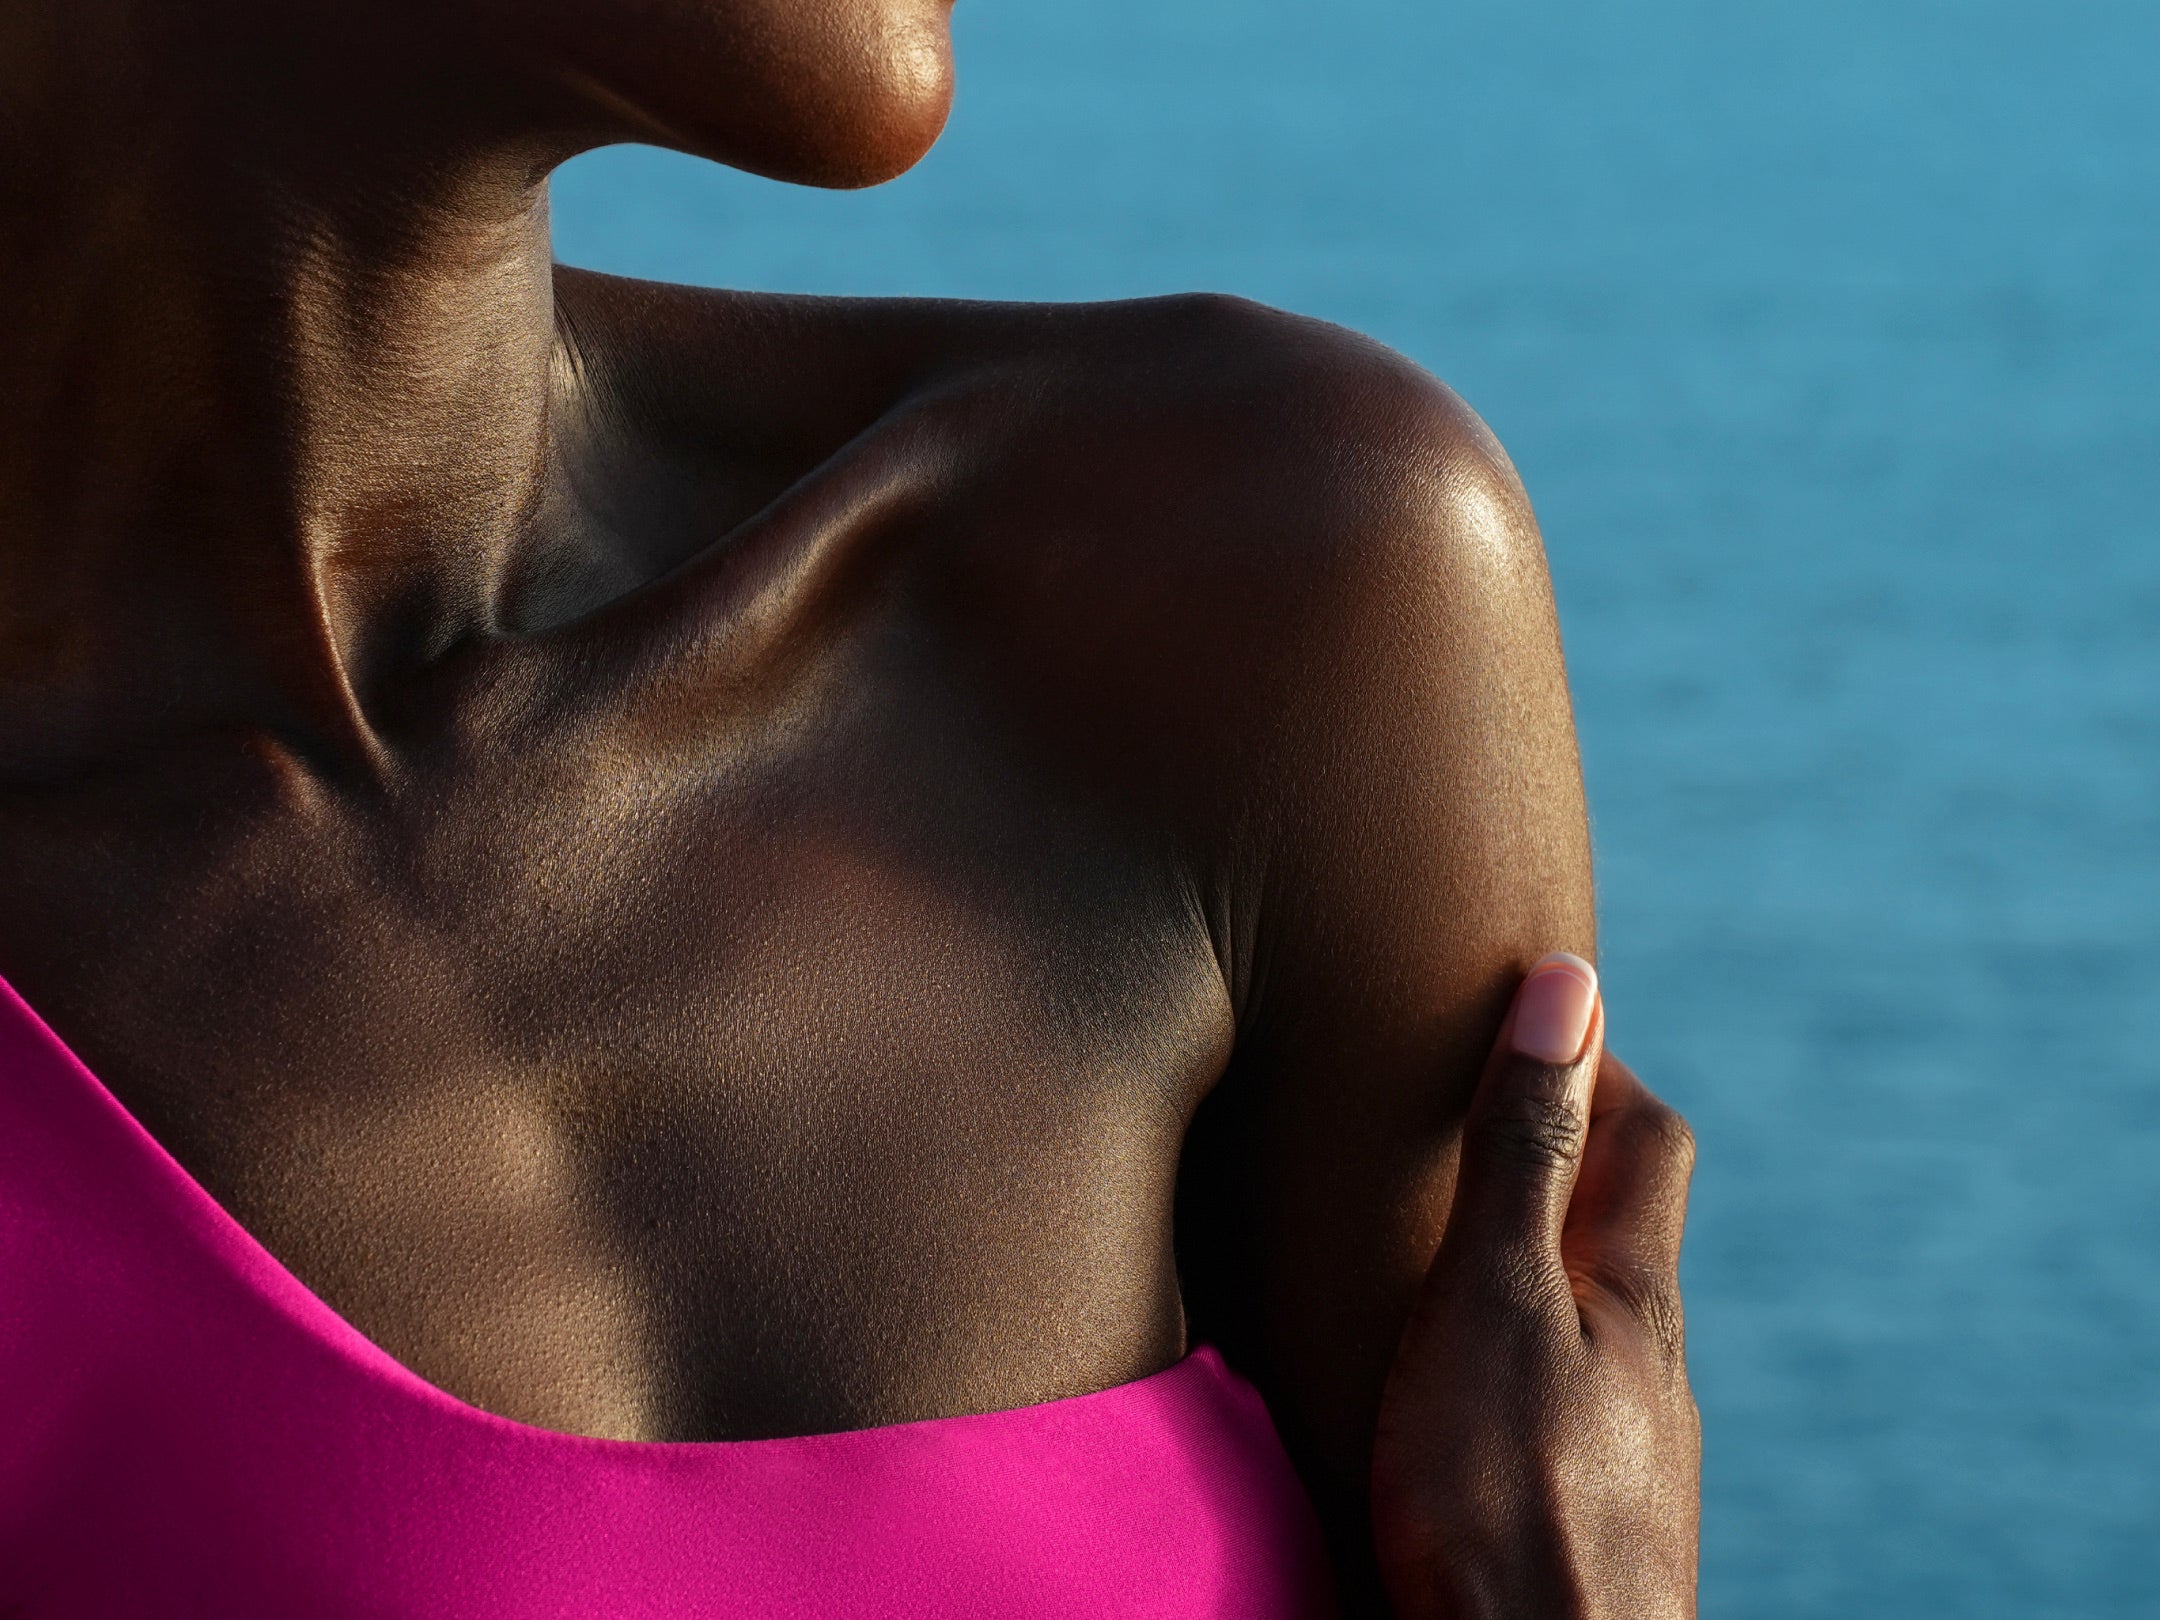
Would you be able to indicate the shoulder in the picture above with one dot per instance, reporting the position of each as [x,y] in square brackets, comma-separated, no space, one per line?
[1220,455]
[1277,420]
[1274,419]
[1193,543]
[1239,538]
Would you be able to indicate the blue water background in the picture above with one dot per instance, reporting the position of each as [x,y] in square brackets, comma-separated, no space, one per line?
[1826,337]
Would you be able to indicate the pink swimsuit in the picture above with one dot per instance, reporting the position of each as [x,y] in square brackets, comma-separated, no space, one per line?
[185,1430]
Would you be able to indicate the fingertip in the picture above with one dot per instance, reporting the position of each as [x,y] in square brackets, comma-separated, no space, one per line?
[1570,961]
[1554,1009]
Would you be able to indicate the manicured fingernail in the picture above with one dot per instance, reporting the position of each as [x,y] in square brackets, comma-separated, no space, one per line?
[1553,1008]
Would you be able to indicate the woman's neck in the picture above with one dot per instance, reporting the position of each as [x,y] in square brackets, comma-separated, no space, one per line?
[278,387]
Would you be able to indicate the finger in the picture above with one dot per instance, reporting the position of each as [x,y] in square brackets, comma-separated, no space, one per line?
[1617,1086]
[1525,1133]
[1625,1225]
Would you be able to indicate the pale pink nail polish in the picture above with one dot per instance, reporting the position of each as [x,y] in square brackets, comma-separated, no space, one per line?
[1553,1008]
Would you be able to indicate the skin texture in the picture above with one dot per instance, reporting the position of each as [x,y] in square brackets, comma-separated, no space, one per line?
[707,866]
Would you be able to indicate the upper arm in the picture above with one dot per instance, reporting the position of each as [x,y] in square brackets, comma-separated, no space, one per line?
[1282,604]
[1412,836]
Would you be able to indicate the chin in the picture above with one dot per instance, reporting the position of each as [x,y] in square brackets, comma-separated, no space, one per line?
[882,126]
[833,93]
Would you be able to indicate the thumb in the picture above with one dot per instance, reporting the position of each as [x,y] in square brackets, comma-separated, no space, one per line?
[1524,1135]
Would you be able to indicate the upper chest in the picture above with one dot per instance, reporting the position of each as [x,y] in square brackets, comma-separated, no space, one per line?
[711,1042]
[808,1049]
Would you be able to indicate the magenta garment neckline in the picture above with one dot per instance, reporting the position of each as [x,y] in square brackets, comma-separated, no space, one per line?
[191,1431]
[262,1271]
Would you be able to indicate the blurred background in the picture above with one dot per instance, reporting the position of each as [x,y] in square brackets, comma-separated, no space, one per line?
[1826,336]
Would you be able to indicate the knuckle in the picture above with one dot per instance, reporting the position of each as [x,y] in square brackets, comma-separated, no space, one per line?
[1677,1138]
[1661,1315]
[1536,1132]
[1663,1135]
[1651,1300]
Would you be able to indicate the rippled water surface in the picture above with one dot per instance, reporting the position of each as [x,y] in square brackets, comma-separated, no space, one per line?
[1826,337]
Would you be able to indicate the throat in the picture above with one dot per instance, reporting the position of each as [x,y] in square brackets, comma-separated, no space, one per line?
[281,409]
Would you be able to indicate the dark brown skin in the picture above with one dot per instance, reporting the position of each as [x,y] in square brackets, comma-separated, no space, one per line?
[707,866]
[1539,1452]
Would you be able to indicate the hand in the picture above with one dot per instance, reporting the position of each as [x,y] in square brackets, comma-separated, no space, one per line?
[1539,1454]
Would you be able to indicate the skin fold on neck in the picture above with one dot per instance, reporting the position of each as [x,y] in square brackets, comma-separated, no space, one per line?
[282,383]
